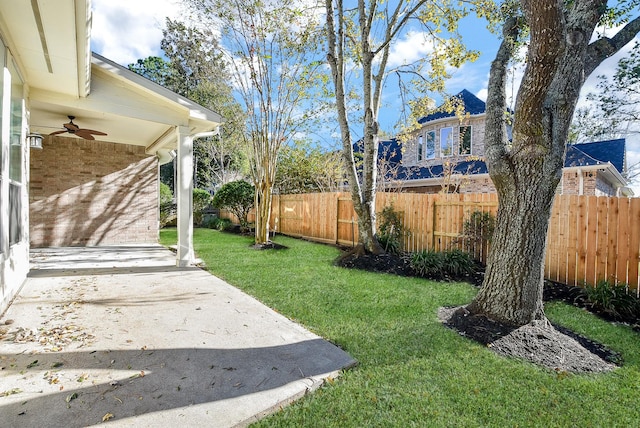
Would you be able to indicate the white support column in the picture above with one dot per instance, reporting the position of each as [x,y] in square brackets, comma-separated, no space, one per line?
[184,194]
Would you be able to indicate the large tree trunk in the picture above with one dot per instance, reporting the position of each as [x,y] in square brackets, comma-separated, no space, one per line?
[526,171]
[512,288]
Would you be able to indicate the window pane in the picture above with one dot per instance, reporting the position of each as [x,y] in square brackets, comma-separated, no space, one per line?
[15,130]
[2,64]
[431,145]
[15,210]
[446,142]
[420,148]
[465,140]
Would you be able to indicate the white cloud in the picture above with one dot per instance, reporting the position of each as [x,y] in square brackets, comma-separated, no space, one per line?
[412,47]
[126,30]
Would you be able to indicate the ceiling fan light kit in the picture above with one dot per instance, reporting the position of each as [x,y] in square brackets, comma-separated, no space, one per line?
[72,128]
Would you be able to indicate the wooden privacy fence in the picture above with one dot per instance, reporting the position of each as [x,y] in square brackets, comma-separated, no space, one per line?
[590,238]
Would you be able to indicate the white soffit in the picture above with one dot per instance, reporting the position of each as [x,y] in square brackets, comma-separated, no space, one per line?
[50,41]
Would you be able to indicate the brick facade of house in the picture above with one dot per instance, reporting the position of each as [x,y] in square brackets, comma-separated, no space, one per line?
[92,193]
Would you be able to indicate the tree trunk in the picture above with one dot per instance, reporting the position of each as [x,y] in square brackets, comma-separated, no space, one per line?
[527,170]
[263,212]
[363,194]
[513,284]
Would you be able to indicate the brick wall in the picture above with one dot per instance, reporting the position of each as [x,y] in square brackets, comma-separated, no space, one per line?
[477,185]
[92,193]
[592,184]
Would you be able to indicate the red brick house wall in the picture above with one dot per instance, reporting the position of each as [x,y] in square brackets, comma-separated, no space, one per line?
[92,193]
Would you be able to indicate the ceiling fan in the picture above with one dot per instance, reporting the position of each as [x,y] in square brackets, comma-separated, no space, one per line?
[72,128]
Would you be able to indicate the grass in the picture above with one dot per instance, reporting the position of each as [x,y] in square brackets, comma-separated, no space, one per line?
[413,371]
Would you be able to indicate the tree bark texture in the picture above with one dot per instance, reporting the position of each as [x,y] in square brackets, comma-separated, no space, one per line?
[526,171]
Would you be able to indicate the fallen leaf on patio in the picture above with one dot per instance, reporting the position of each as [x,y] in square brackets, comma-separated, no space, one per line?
[107,417]
[56,365]
[32,364]
[71,397]
[10,392]
[82,377]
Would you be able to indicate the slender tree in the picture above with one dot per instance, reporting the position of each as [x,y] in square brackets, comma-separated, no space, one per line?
[527,169]
[360,37]
[271,51]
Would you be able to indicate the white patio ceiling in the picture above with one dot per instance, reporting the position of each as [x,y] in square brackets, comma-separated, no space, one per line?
[51,43]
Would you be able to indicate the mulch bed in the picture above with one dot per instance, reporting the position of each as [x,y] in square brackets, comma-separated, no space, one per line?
[553,291]
[489,332]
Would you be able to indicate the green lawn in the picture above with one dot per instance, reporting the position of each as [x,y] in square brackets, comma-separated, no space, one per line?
[413,371]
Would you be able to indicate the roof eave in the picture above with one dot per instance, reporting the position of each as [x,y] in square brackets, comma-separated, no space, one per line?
[197,112]
[449,118]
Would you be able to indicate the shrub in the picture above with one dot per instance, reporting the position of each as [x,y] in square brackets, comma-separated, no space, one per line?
[390,230]
[613,299]
[453,263]
[220,223]
[167,207]
[428,263]
[238,198]
[201,200]
[458,263]
[477,232]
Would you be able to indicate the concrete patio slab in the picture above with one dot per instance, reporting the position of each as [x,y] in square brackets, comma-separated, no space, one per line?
[119,334]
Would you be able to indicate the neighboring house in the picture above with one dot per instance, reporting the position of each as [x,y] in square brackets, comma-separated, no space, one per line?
[447,152]
[77,190]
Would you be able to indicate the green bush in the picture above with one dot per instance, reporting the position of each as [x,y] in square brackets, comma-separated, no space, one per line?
[220,223]
[477,232]
[428,263]
[458,263]
[167,207]
[238,198]
[390,230]
[201,200]
[613,299]
[433,264]
[479,227]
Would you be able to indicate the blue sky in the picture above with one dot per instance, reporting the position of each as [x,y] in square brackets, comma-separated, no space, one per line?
[126,30]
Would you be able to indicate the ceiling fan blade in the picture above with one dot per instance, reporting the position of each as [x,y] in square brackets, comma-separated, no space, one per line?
[71,126]
[91,131]
[82,134]
[59,132]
